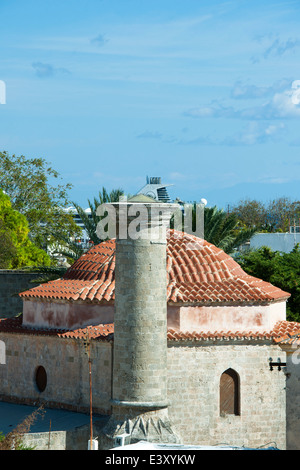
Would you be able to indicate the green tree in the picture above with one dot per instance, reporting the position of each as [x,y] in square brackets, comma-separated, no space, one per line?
[70,249]
[251,213]
[275,216]
[16,249]
[278,268]
[36,191]
[224,230]
[281,213]
[8,251]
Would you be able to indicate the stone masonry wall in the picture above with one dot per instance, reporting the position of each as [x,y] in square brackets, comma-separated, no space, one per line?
[194,371]
[66,365]
[11,284]
[293,398]
[193,390]
[140,341]
[73,439]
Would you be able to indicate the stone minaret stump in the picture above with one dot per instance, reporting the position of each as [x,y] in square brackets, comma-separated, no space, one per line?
[139,386]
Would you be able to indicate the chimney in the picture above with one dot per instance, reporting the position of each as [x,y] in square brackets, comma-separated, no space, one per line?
[139,395]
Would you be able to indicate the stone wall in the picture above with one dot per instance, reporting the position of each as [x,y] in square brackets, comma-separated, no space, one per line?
[66,364]
[73,439]
[194,371]
[193,391]
[293,397]
[11,284]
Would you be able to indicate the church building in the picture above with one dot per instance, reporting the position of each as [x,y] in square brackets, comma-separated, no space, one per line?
[185,346]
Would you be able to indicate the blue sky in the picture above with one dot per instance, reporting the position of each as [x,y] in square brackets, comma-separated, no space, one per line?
[203,93]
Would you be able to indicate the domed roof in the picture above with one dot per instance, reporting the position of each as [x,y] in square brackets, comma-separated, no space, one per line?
[197,272]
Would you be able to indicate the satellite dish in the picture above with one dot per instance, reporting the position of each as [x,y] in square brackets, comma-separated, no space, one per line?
[203,201]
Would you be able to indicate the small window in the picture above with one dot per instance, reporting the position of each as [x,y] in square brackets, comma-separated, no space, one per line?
[41,378]
[2,352]
[229,393]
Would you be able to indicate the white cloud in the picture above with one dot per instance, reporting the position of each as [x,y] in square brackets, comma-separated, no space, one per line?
[284,104]
[246,91]
[255,133]
[277,48]
[150,135]
[213,111]
[99,40]
[43,70]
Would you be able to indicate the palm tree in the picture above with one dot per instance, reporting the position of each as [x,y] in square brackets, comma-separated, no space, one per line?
[90,219]
[221,229]
[71,249]
[224,230]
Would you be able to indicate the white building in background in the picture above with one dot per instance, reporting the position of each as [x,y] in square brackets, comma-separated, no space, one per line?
[85,239]
[284,242]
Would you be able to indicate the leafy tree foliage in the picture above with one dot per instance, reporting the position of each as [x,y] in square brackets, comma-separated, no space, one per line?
[275,216]
[69,249]
[280,269]
[36,192]
[16,250]
[8,251]
[224,230]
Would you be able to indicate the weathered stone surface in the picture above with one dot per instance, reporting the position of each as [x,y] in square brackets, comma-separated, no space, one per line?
[139,425]
[12,282]
[194,373]
[140,341]
[66,364]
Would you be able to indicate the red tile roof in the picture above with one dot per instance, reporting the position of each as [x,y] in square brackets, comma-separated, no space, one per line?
[282,329]
[288,334]
[99,332]
[197,272]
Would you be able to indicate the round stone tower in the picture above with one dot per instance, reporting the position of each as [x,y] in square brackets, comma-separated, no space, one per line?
[139,385]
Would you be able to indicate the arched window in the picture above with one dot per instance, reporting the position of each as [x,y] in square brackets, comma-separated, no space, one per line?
[41,378]
[229,393]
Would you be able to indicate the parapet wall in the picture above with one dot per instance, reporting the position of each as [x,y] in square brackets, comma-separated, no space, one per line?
[11,284]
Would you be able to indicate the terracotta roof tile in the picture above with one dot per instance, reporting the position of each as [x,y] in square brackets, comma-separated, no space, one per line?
[197,271]
[284,332]
[281,330]
[287,333]
[99,332]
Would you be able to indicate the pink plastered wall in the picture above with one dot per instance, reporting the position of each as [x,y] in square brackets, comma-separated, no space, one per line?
[65,315]
[181,318]
[226,318]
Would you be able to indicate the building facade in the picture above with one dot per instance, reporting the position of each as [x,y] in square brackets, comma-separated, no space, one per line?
[224,330]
